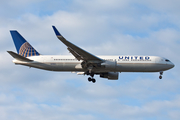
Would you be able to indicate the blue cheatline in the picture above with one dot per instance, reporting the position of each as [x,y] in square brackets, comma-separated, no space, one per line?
[22,46]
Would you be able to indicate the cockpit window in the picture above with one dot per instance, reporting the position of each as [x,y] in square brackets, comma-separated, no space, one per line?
[167,60]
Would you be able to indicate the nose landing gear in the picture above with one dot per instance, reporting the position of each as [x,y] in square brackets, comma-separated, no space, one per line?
[161,73]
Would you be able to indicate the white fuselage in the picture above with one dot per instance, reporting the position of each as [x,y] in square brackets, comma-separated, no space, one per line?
[123,63]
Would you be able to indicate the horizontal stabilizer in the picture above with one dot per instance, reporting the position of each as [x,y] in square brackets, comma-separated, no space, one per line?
[19,57]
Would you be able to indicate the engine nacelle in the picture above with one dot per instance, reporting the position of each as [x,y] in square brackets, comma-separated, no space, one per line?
[110,75]
[110,65]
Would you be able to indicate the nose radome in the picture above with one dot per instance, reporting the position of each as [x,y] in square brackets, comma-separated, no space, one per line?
[173,65]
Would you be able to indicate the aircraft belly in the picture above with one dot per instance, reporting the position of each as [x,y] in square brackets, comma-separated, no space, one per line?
[53,66]
[62,66]
[140,67]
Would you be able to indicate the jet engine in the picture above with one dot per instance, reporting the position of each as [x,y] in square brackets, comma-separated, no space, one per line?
[110,75]
[110,65]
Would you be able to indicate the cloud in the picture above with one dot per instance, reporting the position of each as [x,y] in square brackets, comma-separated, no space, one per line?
[101,6]
[162,6]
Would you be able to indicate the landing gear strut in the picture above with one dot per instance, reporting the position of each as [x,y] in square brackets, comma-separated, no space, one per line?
[161,73]
[89,72]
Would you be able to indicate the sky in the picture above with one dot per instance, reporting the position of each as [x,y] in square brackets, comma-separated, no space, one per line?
[101,27]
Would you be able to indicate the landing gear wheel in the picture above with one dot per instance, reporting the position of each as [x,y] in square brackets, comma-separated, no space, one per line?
[93,80]
[89,79]
[161,73]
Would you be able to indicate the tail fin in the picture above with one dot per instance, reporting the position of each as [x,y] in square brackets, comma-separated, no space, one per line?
[22,46]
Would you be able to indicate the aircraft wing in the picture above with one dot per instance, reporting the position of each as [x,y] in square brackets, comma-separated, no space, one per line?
[78,53]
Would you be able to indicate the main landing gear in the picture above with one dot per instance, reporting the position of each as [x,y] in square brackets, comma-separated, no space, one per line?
[89,72]
[161,73]
[91,79]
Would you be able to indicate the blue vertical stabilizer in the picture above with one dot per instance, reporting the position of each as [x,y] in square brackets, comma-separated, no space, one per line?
[22,46]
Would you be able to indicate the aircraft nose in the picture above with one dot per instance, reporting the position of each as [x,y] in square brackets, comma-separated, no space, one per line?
[171,65]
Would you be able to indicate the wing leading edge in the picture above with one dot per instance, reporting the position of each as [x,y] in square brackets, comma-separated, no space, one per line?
[78,52]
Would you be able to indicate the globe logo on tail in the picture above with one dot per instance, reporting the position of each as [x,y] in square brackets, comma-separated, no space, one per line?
[27,50]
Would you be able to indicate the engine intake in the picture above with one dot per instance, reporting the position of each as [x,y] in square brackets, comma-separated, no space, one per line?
[110,75]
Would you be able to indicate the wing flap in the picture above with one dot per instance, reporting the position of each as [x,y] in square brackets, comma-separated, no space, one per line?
[76,55]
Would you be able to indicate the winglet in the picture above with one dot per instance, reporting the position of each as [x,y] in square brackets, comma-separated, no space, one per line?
[56,31]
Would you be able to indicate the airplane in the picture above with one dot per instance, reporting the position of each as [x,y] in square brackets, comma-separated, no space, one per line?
[83,62]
